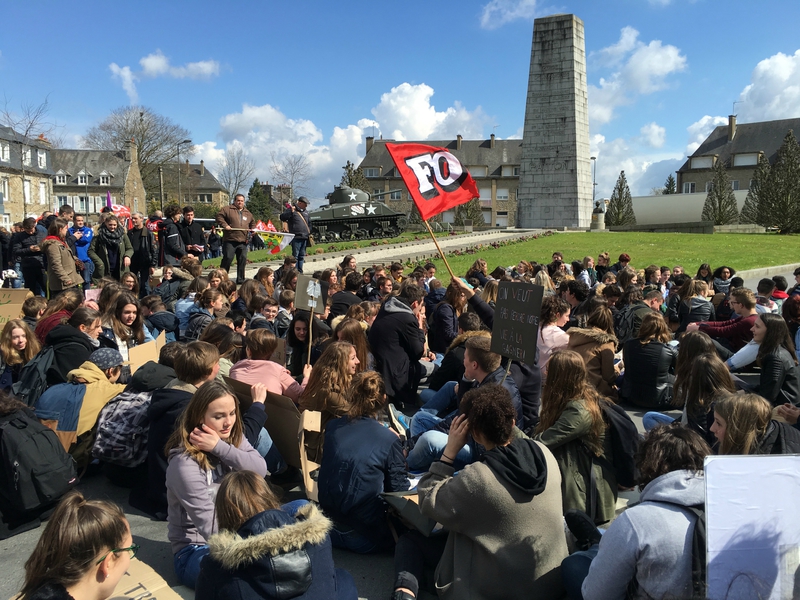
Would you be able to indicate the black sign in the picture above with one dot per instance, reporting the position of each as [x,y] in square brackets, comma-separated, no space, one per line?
[516,320]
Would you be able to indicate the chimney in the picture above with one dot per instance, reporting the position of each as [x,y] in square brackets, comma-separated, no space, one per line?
[731,127]
[131,151]
[491,142]
[187,167]
[458,142]
[369,141]
[202,168]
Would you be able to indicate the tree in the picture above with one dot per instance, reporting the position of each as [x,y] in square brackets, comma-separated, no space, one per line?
[235,169]
[753,209]
[620,207]
[669,185]
[258,201]
[720,205]
[779,197]
[293,170]
[657,191]
[157,138]
[470,211]
[354,177]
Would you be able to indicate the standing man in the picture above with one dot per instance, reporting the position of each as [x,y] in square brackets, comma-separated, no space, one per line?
[27,249]
[174,249]
[83,237]
[156,225]
[145,253]
[192,233]
[296,221]
[236,221]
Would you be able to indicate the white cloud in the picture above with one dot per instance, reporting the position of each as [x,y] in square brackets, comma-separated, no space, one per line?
[699,131]
[774,90]
[640,69]
[157,65]
[653,135]
[499,12]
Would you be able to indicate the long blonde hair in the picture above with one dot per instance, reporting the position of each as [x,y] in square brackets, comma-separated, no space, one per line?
[746,419]
[330,375]
[11,356]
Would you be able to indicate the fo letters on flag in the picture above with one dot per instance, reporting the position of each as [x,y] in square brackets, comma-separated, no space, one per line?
[435,178]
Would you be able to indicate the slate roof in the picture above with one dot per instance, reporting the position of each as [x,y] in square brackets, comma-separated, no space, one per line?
[472,153]
[8,135]
[766,136]
[95,162]
[206,181]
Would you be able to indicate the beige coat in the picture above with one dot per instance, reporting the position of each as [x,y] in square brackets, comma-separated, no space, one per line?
[597,349]
[61,270]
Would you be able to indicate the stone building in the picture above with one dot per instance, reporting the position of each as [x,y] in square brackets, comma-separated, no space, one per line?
[198,186]
[493,163]
[26,167]
[738,146]
[85,178]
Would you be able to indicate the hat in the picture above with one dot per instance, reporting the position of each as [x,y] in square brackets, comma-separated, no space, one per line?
[106,358]
[302,199]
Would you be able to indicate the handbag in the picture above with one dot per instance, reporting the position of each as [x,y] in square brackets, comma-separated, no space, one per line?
[310,241]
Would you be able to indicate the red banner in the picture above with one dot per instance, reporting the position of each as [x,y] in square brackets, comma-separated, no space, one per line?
[435,178]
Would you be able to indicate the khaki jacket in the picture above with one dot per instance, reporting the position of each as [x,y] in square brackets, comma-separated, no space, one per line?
[61,270]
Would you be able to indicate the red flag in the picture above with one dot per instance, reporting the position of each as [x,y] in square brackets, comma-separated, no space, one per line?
[435,178]
[270,226]
[260,226]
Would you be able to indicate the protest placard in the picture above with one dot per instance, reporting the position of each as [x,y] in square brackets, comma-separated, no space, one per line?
[11,303]
[516,320]
[139,355]
[279,356]
[310,293]
[141,581]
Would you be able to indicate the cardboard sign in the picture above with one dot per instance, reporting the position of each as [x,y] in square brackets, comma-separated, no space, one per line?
[139,355]
[141,581]
[311,294]
[310,421]
[516,320]
[11,302]
[161,341]
[279,356]
[752,529]
[93,294]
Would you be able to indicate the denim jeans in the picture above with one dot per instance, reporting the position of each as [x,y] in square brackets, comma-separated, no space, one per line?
[299,252]
[19,282]
[187,563]
[653,419]
[440,401]
[347,538]
[88,270]
[345,586]
[265,447]
[574,570]
[429,448]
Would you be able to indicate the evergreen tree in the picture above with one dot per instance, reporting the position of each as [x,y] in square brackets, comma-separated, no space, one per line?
[470,211]
[258,202]
[620,207]
[720,206]
[780,197]
[354,177]
[753,210]
[669,185]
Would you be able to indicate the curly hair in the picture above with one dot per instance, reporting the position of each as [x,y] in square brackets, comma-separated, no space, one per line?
[669,448]
[490,412]
[552,308]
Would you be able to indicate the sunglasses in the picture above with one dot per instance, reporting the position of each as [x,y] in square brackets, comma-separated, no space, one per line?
[132,549]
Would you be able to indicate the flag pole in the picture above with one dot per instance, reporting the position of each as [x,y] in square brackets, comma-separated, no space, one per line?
[439,248]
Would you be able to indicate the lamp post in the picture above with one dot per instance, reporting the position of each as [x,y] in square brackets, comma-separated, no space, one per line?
[179,167]
[594,177]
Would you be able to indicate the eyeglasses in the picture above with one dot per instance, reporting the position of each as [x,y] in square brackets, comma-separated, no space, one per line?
[132,549]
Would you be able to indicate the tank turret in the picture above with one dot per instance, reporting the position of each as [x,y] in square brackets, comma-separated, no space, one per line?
[353,214]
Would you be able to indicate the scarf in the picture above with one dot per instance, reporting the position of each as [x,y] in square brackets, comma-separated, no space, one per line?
[110,238]
[56,238]
[722,285]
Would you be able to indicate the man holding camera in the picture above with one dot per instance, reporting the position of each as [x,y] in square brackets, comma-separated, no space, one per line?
[295,220]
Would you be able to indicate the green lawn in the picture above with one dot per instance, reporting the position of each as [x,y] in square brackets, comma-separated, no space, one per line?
[740,251]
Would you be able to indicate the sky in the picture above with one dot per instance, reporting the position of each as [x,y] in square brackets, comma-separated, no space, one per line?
[316,77]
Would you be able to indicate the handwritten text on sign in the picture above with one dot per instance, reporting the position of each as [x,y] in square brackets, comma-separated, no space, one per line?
[516,320]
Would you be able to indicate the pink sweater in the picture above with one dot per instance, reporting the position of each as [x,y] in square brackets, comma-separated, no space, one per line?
[275,377]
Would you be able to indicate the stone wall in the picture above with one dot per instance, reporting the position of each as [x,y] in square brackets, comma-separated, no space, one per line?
[36,202]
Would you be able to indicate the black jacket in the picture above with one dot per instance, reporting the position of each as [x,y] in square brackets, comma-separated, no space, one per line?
[174,248]
[341,303]
[649,373]
[452,367]
[779,438]
[780,378]
[397,344]
[71,348]
[273,556]
[21,249]
[145,249]
[696,311]
[361,459]
[192,234]
[298,221]
[443,327]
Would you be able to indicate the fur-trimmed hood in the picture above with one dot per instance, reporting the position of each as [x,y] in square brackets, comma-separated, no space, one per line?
[580,336]
[463,337]
[269,535]
[336,320]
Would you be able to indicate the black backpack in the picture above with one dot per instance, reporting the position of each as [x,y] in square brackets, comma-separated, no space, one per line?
[33,377]
[625,440]
[35,471]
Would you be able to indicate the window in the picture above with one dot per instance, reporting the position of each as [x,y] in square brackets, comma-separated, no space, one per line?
[4,189]
[42,192]
[105,180]
[372,172]
[709,186]
[502,193]
[42,158]
[376,191]
[516,171]
[744,160]
[510,171]
[396,195]
[26,191]
[688,187]
[5,155]
[478,171]
[26,157]
[204,198]
[62,200]
[81,179]
[703,162]
[735,185]
[486,193]
[83,206]
[61,180]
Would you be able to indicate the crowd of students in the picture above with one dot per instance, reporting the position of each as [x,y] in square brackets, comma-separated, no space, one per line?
[401,369]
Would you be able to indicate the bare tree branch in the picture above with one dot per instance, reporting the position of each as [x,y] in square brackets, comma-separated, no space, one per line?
[236,169]
[293,170]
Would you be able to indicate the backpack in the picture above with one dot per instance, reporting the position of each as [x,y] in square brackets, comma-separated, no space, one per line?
[33,377]
[625,322]
[122,430]
[625,440]
[34,469]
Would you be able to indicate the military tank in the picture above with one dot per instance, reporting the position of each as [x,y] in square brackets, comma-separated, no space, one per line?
[352,214]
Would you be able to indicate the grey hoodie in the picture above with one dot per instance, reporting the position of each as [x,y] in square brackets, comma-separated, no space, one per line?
[650,541]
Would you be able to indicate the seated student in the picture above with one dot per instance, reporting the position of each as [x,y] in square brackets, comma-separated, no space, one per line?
[58,310]
[207,443]
[779,293]
[187,301]
[572,423]
[693,305]
[157,319]
[83,553]
[779,381]
[18,345]
[73,342]
[231,346]
[123,325]
[264,310]
[730,336]
[597,344]
[649,361]
[743,425]
[342,301]
[361,460]
[555,315]
[452,367]
[207,305]
[260,345]
[33,308]
[283,319]
[503,513]
[265,550]
[648,546]
[355,332]
[764,303]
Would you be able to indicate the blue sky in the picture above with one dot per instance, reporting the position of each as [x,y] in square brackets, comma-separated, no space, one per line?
[315,77]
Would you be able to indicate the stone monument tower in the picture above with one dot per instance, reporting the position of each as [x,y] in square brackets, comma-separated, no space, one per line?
[555,188]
